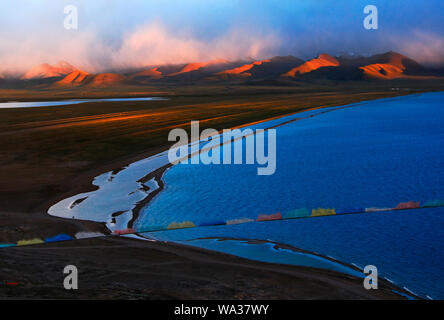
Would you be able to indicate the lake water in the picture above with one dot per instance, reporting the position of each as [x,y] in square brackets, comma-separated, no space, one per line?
[34,104]
[377,153]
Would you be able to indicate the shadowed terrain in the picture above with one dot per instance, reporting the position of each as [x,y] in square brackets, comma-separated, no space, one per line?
[120,268]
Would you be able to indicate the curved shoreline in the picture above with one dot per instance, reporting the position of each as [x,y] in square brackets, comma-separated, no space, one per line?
[159,164]
[81,185]
[158,176]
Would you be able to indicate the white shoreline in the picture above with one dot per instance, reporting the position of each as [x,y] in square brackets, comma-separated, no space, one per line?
[122,191]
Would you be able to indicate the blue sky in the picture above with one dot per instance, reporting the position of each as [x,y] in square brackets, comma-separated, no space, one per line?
[218,28]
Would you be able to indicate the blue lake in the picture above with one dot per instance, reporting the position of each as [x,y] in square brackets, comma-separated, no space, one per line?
[378,153]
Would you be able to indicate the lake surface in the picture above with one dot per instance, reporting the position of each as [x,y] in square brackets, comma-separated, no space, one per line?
[17,104]
[378,153]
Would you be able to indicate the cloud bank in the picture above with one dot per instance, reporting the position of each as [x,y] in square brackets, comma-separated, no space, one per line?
[153,44]
[426,48]
[137,33]
[149,44]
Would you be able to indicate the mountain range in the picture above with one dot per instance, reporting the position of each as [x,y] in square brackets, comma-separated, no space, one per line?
[387,66]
